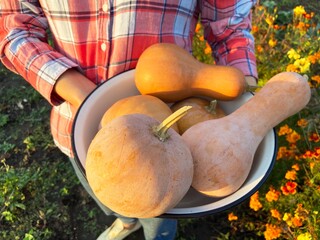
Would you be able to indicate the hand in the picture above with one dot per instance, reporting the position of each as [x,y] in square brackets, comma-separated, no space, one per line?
[73,87]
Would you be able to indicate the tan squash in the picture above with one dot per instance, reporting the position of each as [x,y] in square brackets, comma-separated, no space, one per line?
[144,104]
[170,73]
[202,110]
[138,167]
[223,149]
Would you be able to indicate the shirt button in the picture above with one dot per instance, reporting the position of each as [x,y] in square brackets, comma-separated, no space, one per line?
[105,7]
[103,47]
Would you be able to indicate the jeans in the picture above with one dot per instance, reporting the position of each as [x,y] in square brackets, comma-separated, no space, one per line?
[153,228]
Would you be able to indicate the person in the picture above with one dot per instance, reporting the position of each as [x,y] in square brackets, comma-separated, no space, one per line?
[96,40]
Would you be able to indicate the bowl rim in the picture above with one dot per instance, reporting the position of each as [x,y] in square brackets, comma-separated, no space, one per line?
[170,214]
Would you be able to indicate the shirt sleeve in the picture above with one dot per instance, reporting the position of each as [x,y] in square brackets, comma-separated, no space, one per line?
[24,47]
[227,28]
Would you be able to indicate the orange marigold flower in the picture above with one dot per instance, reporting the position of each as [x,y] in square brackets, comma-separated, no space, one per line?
[311,165]
[316,79]
[289,188]
[284,152]
[276,214]
[272,195]
[291,175]
[198,27]
[272,232]
[292,68]
[254,203]
[255,29]
[296,221]
[232,217]
[259,49]
[208,49]
[302,122]
[295,167]
[314,137]
[293,137]
[201,38]
[284,130]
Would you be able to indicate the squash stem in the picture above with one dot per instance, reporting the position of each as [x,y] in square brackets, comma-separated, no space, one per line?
[161,130]
[211,108]
[251,88]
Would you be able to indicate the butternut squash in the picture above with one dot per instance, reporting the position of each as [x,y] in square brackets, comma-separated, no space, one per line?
[138,167]
[144,104]
[170,73]
[202,110]
[223,149]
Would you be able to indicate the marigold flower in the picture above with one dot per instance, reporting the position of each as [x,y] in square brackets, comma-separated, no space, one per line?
[304,236]
[296,221]
[293,137]
[292,68]
[254,203]
[311,165]
[314,137]
[259,49]
[291,175]
[295,167]
[208,49]
[284,152]
[272,43]
[254,29]
[285,129]
[299,11]
[303,64]
[232,217]
[316,78]
[198,27]
[201,38]
[292,54]
[287,218]
[289,188]
[272,195]
[276,214]
[272,232]
[302,122]
[269,20]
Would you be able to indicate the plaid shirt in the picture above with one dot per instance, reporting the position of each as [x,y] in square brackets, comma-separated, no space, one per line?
[103,38]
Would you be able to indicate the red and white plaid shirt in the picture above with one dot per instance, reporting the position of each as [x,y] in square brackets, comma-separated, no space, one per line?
[103,38]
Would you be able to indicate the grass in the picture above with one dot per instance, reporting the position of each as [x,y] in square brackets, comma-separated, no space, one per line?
[40,197]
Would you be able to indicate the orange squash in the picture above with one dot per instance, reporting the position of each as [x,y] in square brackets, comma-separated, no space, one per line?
[144,104]
[170,73]
[202,110]
[138,167]
[223,149]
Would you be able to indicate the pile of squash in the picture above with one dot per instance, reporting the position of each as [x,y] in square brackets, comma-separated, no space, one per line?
[153,147]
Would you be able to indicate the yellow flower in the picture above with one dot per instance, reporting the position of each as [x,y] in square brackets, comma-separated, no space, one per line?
[232,217]
[287,218]
[303,64]
[299,11]
[304,236]
[292,54]
[291,175]
[275,213]
[269,20]
[272,232]
[254,203]
[272,43]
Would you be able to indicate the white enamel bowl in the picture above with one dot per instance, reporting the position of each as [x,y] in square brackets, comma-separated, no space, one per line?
[193,204]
